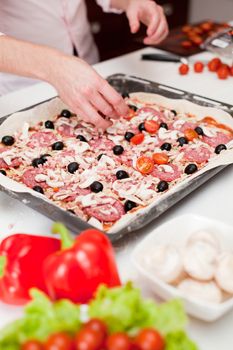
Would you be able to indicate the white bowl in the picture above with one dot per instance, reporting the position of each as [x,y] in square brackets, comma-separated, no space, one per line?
[177,231]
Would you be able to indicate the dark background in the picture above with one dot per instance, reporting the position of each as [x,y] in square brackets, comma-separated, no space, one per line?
[112,34]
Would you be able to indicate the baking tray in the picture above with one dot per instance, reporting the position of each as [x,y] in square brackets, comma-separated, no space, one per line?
[127,84]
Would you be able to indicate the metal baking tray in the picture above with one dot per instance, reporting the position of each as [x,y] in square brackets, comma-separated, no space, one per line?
[127,84]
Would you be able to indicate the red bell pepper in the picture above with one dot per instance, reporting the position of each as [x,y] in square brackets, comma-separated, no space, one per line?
[21,259]
[76,271]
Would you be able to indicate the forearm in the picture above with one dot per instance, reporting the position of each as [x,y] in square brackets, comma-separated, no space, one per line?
[120,4]
[26,59]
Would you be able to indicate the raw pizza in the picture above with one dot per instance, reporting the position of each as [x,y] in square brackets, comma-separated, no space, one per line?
[100,177]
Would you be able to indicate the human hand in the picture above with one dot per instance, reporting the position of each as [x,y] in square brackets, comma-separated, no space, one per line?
[85,91]
[150,14]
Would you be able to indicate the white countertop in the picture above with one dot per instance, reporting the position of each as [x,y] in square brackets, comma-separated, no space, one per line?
[213,199]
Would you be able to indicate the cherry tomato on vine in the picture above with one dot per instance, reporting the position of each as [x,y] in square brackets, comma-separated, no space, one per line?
[145,165]
[59,341]
[150,339]
[118,341]
[183,69]
[32,345]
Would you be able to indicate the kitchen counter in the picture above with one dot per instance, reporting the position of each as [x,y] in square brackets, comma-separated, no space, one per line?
[213,199]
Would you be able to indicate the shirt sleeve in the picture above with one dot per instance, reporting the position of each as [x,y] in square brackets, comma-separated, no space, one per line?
[106,6]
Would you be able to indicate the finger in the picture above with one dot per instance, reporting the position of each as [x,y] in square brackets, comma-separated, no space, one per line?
[154,22]
[134,22]
[116,101]
[159,35]
[90,114]
[101,105]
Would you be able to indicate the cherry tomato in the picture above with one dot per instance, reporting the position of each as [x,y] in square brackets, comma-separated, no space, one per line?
[145,165]
[160,158]
[32,345]
[198,67]
[59,341]
[190,134]
[149,339]
[183,69]
[207,26]
[196,39]
[137,139]
[186,29]
[198,30]
[214,64]
[118,341]
[151,126]
[130,114]
[97,325]
[88,339]
[231,70]
[186,44]
[223,72]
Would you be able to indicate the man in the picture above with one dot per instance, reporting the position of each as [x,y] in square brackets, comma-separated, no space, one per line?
[39,40]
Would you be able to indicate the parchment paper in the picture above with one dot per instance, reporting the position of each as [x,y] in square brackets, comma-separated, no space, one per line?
[49,109]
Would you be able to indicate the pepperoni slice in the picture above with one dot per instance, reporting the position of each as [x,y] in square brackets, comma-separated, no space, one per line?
[163,175]
[217,140]
[66,130]
[110,212]
[198,155]
[28,178]
[42,139]
[158,116]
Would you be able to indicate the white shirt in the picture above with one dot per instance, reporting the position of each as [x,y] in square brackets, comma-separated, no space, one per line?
[61,24]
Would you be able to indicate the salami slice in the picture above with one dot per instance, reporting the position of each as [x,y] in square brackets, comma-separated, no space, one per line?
[16,162]
[66,130]
[77,192]
[42,139]
[106,212]
[161,172]
[28,178]
[197,155]
[188,125]
[102,144]
[217,140]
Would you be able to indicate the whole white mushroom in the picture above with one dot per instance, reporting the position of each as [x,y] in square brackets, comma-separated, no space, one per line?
[224,272]
[205,291]
[165,262]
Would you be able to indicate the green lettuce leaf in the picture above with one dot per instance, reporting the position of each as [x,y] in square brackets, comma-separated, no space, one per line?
[42,317]
[124,310]
[179,341]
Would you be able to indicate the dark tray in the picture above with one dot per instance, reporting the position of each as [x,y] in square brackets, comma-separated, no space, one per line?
[123,84]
